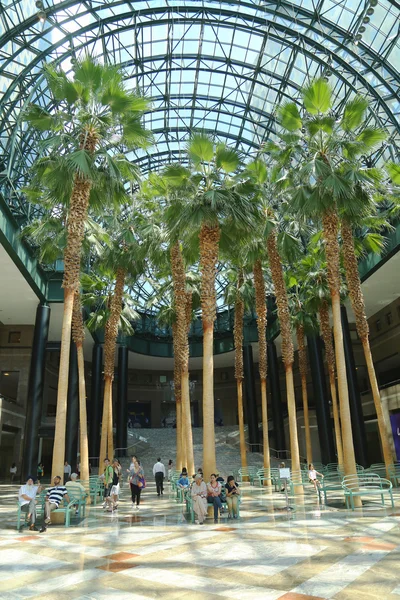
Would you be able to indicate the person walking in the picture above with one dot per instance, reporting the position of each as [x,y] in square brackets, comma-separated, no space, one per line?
[108,481]
[159,474]
[67,472]
[214,495]
[13,472]
[27,500]
[40,471]
[137,482]
[170,465]
[232,497]
[199,497]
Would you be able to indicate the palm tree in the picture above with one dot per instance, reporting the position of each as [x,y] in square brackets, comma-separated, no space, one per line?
[320,153]
[358,305]
[311,273]
[210,201]
[267,188]
[91,111]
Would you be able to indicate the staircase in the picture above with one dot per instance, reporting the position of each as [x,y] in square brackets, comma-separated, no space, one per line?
[149,444]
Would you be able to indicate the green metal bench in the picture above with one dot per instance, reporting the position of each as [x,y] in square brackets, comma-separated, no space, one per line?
[271,475]
[366,485]
[394,472]
[75,493]
[24,516]
[332,482]
[249,472]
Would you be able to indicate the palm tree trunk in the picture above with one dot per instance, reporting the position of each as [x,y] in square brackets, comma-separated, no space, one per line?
[239,371]
[261,310]
[78,335]
[242,440]
[110,433]
[330,359]
[330,224]
[209,460]
[306,419]
[294,443]
[357,303]
[383,425]
[187,421]
[303,375]
[84,447]
[110,343]
[209,246]
[62,392]
[178,399]
[183,307]
[104,423]
[287,346]
[336,418]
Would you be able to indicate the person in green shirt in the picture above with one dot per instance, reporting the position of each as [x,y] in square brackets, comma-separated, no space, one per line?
[108,480]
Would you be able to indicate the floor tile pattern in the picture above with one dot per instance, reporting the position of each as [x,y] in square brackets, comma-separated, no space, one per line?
[312,551]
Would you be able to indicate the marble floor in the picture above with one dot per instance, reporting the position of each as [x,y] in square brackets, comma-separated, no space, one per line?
[312,551]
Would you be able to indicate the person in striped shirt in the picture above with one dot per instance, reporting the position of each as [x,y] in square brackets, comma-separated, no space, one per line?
[54,497]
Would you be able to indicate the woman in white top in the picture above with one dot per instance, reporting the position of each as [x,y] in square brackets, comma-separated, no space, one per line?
[312,475]
[199,496]
[13,472]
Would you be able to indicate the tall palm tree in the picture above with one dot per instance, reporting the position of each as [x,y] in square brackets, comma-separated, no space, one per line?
[210,201]
[311,273]
[358,305]
[91,111]
[267,188]
[320,153]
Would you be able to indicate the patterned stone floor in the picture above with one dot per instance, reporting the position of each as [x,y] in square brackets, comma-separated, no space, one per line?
[313,551]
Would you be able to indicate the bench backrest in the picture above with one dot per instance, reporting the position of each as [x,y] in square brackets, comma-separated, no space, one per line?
[370,480]
[247,470]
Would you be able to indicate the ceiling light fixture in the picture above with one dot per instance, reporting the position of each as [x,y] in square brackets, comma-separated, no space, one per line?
[42,16]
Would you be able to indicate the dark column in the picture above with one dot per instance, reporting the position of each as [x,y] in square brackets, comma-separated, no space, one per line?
[71,439]
[122,399]
[250,395]
[35,392]
[357,417]
[276,400]
[321,400]
[95,401]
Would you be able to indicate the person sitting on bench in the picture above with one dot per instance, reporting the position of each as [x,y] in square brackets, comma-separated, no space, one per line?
[54,497]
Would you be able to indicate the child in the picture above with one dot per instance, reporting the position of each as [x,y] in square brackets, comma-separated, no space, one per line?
[312,475]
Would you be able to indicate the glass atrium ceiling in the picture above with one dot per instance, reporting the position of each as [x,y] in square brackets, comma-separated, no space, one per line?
[217,66]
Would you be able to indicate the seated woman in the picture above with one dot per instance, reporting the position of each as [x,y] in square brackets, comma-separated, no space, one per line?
[199,496]
[214,495]
[232,497]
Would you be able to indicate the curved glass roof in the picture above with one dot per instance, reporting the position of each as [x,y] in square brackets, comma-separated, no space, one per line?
[219,66]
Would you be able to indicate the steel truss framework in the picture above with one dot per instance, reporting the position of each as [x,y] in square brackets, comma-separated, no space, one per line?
[214,65]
